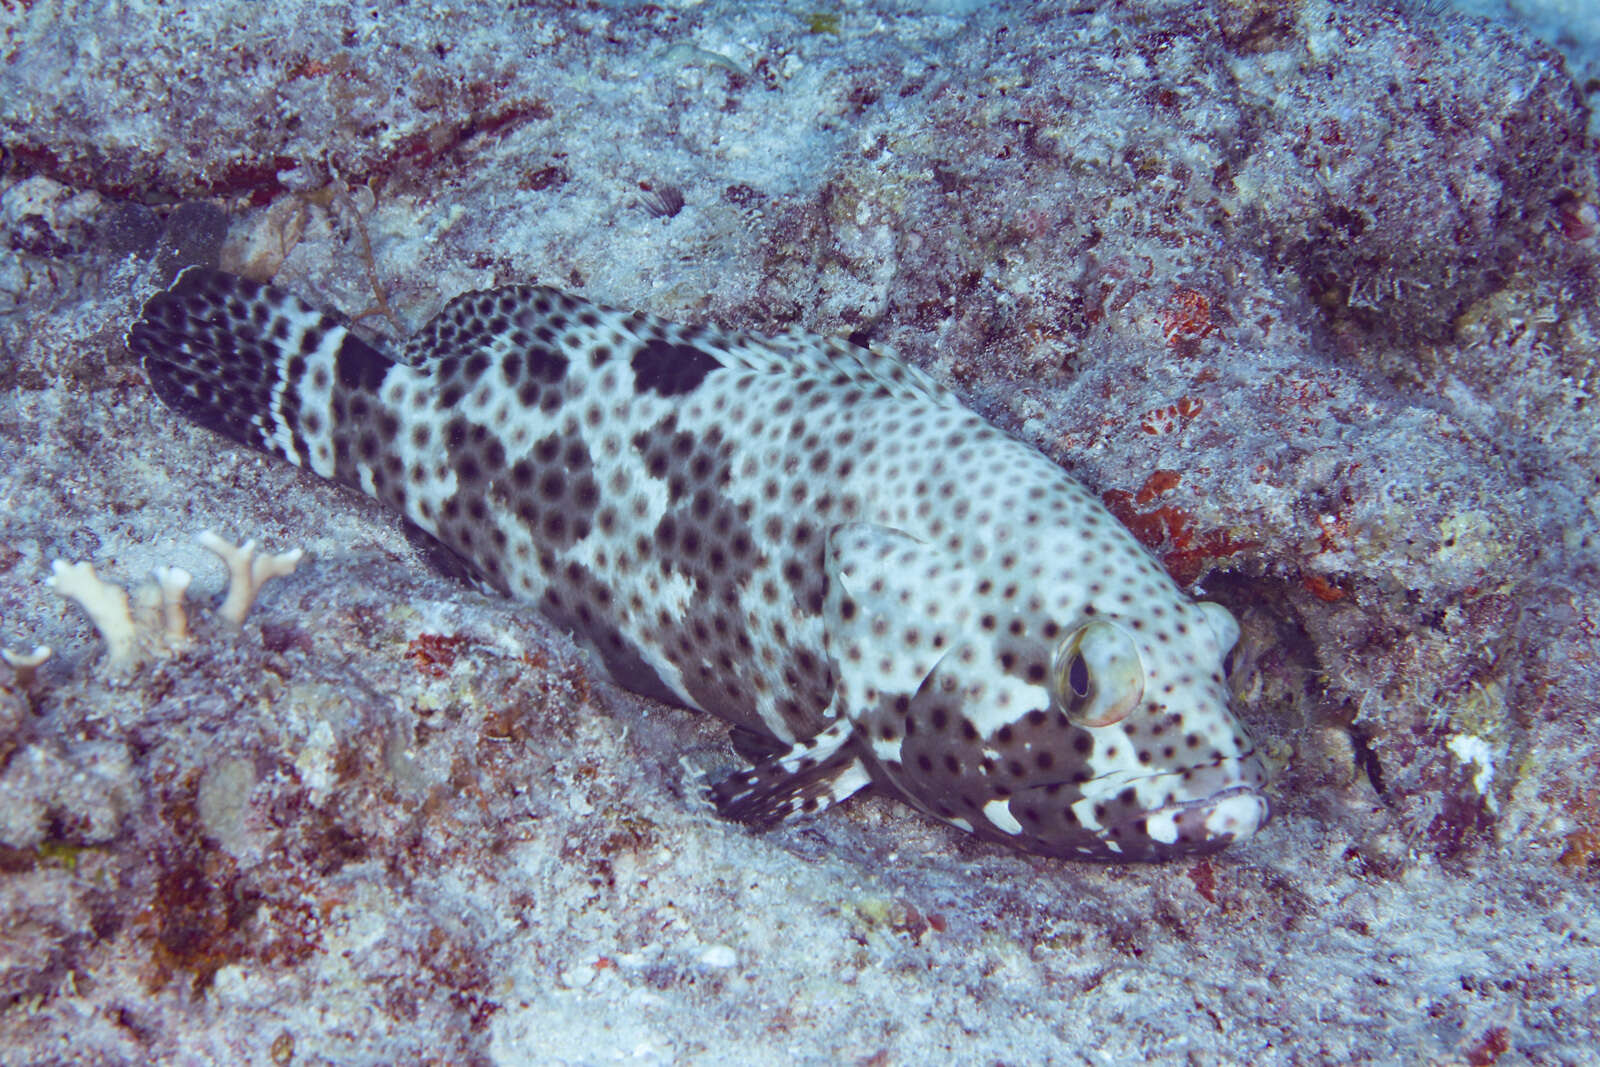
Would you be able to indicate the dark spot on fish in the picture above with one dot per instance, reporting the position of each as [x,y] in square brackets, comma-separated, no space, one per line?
[671,369]
[358,365]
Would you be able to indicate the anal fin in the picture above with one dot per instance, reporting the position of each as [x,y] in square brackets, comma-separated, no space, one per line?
[814,774]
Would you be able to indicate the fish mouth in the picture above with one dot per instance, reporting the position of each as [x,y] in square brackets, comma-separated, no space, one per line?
[1195,810]
[1206,824]
[1229,783]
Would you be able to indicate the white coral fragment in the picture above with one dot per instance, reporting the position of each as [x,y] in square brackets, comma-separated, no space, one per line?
[25,664]
[152,622]
[247,572]
[105,604]
[155,621]
[174,585]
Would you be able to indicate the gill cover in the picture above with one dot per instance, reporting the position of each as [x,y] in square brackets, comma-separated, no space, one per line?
[1098,677]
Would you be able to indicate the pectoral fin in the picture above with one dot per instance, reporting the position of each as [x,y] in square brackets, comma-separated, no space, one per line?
[814,774]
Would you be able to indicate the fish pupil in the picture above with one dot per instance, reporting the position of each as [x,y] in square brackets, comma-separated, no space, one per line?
[1078,677]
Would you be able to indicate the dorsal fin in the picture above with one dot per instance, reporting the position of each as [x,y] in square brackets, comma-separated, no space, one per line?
[827,356]
[475,322]
[487,321]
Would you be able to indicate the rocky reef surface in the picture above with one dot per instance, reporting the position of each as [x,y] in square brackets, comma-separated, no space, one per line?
[1306,291]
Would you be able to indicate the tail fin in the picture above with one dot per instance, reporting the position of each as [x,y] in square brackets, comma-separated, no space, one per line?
[254,363]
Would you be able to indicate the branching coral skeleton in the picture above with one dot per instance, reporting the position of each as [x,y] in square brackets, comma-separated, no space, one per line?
[247,572]
[106,605]
[155,621]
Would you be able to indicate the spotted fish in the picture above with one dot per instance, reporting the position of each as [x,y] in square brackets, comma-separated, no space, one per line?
[810,539]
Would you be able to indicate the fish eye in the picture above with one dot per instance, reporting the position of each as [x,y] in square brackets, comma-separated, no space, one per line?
[1098,677]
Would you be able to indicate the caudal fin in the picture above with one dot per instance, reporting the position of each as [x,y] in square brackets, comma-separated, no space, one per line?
[254,363]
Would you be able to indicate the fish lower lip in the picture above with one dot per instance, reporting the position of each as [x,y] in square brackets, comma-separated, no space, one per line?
[1231,814]
[1233,792]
